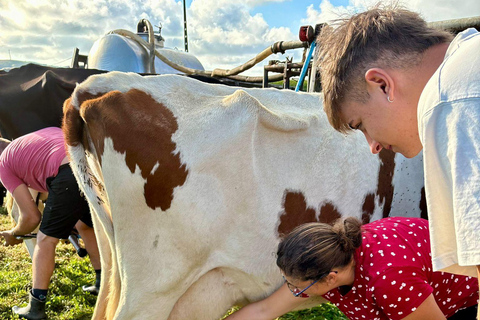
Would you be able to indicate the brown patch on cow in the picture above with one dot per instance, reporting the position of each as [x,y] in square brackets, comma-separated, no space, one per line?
[385,178]
[423,205]
[72,125]
[92,110]
[296,212]
[142,129]
[368,208]
[329,213]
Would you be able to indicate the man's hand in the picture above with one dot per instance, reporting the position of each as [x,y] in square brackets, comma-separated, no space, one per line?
[10,239]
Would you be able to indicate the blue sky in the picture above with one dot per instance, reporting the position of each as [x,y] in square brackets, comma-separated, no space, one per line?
[222,33]
[290,13]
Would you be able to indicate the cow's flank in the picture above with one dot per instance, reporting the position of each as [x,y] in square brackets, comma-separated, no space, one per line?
[198,183]
[148,147]
[385,178]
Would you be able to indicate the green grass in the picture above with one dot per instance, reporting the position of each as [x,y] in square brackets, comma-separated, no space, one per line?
[66,300]
[293,84]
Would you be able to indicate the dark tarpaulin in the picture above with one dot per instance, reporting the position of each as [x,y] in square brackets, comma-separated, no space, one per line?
[32,96]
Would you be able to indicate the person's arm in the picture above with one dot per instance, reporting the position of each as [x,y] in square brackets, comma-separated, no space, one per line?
[277,304]
[478,277]
[28,219]
[428,310]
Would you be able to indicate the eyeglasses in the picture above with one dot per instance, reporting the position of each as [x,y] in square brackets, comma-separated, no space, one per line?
[301,293]
[296,291]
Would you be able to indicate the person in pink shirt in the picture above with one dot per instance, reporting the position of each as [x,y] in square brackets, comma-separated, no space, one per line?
[38,161]
[381,270]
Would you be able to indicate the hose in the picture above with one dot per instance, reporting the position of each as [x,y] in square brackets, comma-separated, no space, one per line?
[279,46]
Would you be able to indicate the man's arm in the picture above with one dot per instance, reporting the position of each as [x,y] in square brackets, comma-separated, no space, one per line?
[279,303]
[478,277]
[29,217]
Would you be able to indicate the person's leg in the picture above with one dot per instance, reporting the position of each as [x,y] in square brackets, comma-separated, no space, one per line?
[57,222]
[43,262]
[88,235]
[90,241]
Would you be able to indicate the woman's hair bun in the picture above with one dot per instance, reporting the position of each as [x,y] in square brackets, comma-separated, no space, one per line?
[349,231]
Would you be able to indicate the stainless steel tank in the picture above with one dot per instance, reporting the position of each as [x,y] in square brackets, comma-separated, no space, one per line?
[116,52]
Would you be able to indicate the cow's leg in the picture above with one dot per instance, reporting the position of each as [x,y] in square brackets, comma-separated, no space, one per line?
[150,283]
[217,291]
[145,305]
[214,290]
[107,300]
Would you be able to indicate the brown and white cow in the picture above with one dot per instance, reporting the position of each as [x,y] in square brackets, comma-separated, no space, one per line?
[192,185]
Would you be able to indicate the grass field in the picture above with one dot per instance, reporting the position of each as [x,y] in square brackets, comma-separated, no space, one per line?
[66,299]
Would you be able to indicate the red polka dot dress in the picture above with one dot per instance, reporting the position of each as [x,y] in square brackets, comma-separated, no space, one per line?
[393,274]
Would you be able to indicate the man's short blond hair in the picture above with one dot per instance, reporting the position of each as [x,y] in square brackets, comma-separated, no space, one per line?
[383,37]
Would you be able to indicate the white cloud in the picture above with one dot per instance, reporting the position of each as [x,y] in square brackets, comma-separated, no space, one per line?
[431,10]
[326,13]
[222,33]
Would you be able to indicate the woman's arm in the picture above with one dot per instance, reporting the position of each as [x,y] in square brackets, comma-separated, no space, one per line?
[428,310]
[277,304]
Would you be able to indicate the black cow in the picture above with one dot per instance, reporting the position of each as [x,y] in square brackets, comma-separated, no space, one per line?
[32,96]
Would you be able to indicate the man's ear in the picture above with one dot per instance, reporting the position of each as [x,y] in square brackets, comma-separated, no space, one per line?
[380,80]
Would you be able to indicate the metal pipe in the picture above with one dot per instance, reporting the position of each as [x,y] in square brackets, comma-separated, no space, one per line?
[185,37]
[305,67]
[151,47]
[232,74]
[279,46]
[457,25]
[279,67]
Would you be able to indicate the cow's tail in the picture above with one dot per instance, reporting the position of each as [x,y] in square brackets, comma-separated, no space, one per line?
[86,168]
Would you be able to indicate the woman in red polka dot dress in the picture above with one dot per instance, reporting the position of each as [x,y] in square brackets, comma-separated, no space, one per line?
[381,270]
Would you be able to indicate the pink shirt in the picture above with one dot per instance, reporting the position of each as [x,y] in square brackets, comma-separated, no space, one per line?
[393,274]
[32,158]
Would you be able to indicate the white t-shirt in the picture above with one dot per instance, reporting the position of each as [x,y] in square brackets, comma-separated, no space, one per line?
[449,128]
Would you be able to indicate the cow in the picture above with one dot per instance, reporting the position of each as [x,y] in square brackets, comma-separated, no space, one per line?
[32,96]
[192,185]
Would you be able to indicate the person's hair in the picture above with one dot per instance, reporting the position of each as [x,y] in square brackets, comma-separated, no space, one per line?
[312,250]
[3,144]
[383,37]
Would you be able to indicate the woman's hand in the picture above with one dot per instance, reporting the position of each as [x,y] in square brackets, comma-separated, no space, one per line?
[277,304]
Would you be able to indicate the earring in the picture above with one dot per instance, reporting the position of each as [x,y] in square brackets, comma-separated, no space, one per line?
[388,99]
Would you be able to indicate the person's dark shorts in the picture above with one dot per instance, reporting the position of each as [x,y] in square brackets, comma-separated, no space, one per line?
[65,205]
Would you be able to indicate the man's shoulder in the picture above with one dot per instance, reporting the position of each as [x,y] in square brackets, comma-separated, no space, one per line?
[458,77]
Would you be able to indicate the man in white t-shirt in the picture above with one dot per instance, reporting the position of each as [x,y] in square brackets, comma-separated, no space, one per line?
[409,87]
